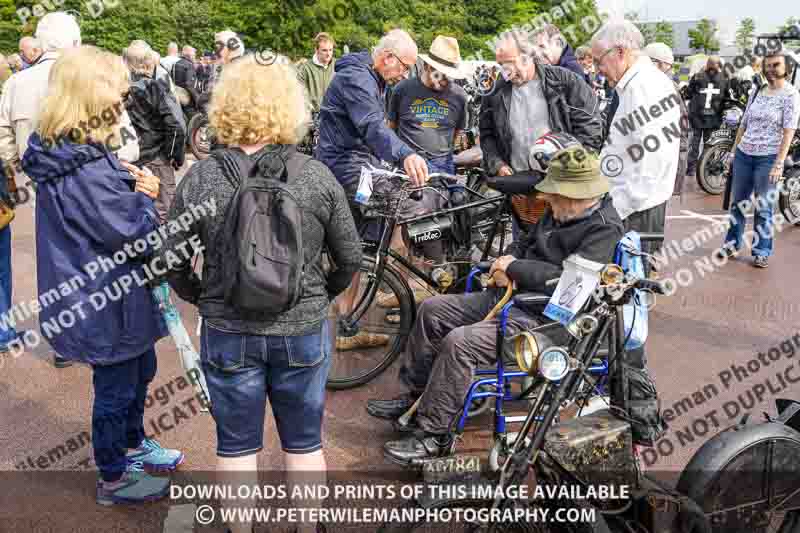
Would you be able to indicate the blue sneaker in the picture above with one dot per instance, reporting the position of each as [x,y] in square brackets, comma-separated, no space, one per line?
[135,486]
[154,457]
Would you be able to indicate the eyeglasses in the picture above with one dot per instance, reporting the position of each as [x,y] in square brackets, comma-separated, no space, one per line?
[406,68]
[599,61]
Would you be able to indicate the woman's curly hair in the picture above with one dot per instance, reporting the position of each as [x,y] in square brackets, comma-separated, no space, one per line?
[254,104]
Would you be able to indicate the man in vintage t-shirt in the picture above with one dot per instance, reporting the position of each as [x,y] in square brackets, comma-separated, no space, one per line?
[428,112]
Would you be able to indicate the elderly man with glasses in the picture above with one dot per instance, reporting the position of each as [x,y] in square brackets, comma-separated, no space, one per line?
[640,157]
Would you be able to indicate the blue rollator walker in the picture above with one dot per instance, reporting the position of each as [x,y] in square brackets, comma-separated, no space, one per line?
[526,346]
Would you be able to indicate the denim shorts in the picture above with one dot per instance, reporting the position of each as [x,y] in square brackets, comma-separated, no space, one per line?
[242,371]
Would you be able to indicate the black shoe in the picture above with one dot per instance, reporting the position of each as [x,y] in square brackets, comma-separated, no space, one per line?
[391,409]
[61,362]
[417,447]
[411,427]
[761,261]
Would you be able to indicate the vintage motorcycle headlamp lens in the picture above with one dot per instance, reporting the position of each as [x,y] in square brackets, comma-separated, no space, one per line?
[554,364]
[526,350]
[612,274]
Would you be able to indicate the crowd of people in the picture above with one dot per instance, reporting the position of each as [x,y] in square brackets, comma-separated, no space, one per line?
[105,180]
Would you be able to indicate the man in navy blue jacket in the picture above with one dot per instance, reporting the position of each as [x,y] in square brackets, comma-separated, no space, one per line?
[352,119]
[353,133]
[554,49]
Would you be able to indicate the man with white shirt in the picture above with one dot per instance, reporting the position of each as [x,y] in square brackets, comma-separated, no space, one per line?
[640,157]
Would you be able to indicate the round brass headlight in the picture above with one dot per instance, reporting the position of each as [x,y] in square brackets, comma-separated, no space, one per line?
[526,351]
[612,274]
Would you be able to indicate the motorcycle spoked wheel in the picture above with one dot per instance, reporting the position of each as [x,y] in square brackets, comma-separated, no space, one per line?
[746,479]
[199,141]
[711,171]
[789,203]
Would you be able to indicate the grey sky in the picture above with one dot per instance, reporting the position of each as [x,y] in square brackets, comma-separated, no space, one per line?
[768,14]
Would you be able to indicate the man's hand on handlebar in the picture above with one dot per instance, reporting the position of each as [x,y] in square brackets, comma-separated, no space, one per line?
[417,169]
[501,264]
[505,170]
[500,279]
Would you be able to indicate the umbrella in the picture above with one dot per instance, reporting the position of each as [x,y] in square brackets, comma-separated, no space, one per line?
[189,356]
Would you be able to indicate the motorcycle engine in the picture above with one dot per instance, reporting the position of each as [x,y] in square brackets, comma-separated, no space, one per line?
[429,229]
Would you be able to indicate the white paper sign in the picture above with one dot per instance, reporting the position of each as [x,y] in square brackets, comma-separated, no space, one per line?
[578,282]
[364,191]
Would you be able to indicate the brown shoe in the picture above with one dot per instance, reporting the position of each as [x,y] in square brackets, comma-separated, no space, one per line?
[389,300]
[361,340]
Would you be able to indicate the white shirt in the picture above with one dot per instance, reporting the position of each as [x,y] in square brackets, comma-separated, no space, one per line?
[648,115]
[20,105]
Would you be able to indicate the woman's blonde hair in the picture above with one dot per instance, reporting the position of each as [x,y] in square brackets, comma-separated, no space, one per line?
[254,104]
[84,99]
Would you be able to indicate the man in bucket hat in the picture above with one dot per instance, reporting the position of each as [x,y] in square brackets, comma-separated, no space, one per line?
[450,339]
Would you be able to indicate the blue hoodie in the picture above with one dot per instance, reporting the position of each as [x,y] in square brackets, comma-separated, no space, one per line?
[86,208]
[352,121]
[570,62]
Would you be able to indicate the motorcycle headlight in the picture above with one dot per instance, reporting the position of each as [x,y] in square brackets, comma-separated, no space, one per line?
[525,347]
[554,363]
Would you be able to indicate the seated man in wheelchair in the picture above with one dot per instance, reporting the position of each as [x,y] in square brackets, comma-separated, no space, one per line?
[447,341]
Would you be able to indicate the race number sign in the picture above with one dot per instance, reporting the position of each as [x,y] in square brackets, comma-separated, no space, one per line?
[364,191]
[576,285]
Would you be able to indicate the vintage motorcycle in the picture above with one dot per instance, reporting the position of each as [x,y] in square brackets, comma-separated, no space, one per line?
[712,166]
[744,479]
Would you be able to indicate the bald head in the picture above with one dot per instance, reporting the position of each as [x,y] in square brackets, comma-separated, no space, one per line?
[394,56]
[189,53]
[30,48]
[172,49]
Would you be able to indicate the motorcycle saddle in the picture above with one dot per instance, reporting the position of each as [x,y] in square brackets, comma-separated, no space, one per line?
[516,183]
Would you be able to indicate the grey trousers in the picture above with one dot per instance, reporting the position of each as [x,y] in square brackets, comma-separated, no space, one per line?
[166,190]
[447,343]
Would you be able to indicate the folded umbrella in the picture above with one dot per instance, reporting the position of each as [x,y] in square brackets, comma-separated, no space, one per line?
[190,359]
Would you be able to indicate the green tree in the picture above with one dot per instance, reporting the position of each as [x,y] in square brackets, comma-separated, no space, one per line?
[744,35]
[663,33]
[704,36]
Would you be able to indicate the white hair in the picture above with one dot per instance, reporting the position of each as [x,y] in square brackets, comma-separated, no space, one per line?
[225,36]
[623,34]
[172,46]
[58,30]
[33,41]
[396,41]
[140,58]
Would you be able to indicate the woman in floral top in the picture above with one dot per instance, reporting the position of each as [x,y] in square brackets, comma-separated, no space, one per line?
[762,143]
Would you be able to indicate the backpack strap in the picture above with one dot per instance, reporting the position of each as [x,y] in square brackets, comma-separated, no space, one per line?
[235,165]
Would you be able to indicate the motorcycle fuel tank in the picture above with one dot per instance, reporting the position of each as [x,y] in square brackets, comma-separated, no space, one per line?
[597,449]
[428,230]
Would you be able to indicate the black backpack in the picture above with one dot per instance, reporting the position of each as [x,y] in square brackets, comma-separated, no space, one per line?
[261,245]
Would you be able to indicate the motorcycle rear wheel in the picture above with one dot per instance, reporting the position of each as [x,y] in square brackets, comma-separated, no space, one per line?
[747,479]
[199,141]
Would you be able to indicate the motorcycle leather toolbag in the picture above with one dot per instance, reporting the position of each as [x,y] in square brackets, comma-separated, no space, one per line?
[430,229]
[596,449]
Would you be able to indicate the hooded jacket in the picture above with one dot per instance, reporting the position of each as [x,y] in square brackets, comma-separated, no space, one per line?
[571,103]
[570,62]
[541,252]
[158,121]
[85,209]
[352,121]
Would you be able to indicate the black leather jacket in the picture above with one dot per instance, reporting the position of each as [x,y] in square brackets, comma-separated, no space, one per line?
[572,105]
[158,121]
[183,74]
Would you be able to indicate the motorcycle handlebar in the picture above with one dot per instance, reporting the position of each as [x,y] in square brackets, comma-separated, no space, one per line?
[653,286]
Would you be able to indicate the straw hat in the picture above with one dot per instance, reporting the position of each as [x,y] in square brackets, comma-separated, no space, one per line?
[445,57]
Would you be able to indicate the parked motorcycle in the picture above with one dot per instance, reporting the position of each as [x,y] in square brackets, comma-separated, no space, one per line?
[713,166]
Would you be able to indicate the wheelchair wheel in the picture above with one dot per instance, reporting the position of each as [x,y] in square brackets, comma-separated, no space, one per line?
[747,479]
[367,348]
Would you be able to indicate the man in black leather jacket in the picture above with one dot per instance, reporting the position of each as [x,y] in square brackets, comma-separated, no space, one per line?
[158,121]
[571,104]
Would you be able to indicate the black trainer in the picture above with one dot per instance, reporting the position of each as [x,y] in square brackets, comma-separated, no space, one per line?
[61,362]
[391,409]
[417,447]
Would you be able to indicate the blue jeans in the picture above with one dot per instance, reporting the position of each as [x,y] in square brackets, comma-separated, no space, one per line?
[751,176]
[442,165]
[118,415]
[243,371]
[6,335]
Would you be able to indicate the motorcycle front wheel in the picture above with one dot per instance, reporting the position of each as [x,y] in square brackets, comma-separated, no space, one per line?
[711,169]
[789,199]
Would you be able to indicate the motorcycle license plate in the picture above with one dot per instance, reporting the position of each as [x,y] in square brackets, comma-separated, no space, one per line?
[722,134]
